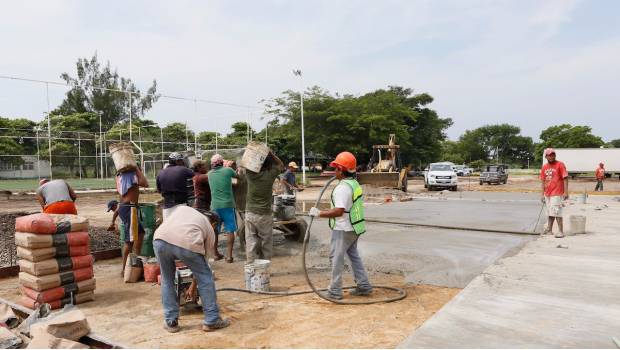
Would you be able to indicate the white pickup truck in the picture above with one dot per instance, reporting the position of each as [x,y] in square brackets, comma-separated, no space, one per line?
[440,175]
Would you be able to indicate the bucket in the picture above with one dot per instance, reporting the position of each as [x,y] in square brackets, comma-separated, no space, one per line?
[151,271]
[254,156]
[577,224]
[581,198]
[257,275]
[122,155]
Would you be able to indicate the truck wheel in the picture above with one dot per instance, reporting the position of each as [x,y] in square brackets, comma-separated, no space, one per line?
[425,184]
[453,189]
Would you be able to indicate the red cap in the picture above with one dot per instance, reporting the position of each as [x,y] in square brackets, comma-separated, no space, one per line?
[549,151]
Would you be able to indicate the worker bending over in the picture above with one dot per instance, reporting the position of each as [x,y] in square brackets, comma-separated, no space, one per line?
[259,212]
[56,197]
[187,235]
[222,201]
[346,219]
[128,186]
[172,183]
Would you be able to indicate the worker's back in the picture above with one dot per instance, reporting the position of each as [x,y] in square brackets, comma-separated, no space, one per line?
[172,184]
[54,191]
[220,182]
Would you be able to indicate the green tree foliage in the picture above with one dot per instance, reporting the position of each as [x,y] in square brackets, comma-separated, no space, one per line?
[489,141]
[615,143]
[335,123]
[567,136]
[114,106]
[17,137]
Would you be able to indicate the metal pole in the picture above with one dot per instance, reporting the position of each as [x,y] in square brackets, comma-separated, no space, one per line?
[80,155]
[161,141]
[303,139]
[130,124]
[49,128]
[38,154]
[105,162]
[101,146]
[186,138]
[196,143]
[247,128]
[216,142]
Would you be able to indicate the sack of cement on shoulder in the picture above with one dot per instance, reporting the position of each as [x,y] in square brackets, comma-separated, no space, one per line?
[43,340]
[7,316]
[70,323]
[8,339]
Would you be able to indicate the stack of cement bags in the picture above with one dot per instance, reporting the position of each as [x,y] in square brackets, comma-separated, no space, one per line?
[55,264]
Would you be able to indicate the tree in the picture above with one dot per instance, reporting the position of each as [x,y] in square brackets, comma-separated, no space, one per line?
[502,142]
[615,143]
[567,136]
[16,139]
[113,105]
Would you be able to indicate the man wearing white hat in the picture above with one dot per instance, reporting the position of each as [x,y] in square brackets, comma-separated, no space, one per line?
[288,178]
[554,179]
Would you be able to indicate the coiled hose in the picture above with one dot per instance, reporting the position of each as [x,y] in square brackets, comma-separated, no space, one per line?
[402,294]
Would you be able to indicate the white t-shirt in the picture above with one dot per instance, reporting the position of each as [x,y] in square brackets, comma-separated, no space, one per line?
[343,198]
[187,228]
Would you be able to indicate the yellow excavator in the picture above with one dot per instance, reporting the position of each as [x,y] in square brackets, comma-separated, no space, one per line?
[385,167]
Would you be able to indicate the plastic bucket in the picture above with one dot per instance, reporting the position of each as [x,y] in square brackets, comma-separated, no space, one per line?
[254,156]
[122,155]
[257,275]
[577,224]
[581,198]
[151,271]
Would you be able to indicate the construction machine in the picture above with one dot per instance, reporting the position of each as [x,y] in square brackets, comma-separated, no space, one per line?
[385,167]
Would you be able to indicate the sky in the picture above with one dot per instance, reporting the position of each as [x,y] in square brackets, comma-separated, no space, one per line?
[529,63]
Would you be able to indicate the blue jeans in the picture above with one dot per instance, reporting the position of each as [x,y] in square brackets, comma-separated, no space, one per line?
[342,243]
[166,254]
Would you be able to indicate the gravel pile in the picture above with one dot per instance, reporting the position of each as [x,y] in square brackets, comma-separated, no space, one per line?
[100,239]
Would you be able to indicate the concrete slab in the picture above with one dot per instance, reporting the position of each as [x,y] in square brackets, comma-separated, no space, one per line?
[542,297]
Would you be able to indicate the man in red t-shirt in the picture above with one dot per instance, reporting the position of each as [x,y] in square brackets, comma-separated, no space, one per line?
[554,179]
[600,176]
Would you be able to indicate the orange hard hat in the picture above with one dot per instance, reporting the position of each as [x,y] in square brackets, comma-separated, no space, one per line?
[345,161]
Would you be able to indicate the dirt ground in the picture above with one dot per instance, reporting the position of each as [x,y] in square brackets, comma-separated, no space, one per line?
[131,314]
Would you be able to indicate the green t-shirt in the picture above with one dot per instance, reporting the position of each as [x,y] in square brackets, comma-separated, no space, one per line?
[220,181]
[260,188]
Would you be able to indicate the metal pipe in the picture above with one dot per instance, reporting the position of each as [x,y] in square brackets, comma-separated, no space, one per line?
[49,128]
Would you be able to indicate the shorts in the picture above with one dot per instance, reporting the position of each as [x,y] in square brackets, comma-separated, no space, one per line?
[554,206]
[61,207]
[130,218]
[228,218]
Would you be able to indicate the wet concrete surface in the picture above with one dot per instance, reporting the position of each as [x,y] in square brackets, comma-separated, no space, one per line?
[554,293]
[441,257]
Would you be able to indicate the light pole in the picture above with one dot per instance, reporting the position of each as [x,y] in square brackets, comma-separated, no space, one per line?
[297,72]
[101,146]
[49,141]
[36,129]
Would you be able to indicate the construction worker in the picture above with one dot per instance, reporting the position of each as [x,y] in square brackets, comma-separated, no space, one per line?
[222,200]
[288,178]
[172,183]
[346,219]
[259,211]
[202,191]
[600,176]
[113,206]
[128,186]
[56,197]
[187,235]
[554,180]
[240,190]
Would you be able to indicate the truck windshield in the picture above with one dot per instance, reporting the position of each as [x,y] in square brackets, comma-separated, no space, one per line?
[441,167]
[493,169]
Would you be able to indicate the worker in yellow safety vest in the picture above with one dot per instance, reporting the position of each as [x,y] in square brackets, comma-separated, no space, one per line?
[346,219]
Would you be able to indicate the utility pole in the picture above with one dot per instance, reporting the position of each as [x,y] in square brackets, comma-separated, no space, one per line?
[297,72]
[49,128]
[36,129]
[101,147]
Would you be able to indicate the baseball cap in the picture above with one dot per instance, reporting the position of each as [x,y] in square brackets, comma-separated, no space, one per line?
[112,203]
[175,156]
[549,151]
[293,165]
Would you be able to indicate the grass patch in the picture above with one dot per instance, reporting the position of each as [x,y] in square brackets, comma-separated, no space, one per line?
[28,185]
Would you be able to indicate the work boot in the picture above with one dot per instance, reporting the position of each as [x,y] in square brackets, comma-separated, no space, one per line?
[219,324]
[360,292]
[172,327]
[329,295]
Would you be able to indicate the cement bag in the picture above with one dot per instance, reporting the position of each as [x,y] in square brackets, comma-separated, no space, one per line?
[59,292]
[37,223]
[77,222]
[254,156]
[41,283]
[42,340]
[36,241]
[133,269]
[78,298]
[36,255]
[51,266]
[70,323]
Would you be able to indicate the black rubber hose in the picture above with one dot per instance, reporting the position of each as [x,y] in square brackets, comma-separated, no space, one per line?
[402,294]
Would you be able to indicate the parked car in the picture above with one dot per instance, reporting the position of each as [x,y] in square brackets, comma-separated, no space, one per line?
[497,174]
[440,175]
[462,170]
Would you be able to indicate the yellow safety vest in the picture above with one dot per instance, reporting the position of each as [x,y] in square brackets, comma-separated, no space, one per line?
[356,214]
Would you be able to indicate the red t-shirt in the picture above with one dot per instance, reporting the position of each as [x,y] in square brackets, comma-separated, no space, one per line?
[553,175]
[600,173]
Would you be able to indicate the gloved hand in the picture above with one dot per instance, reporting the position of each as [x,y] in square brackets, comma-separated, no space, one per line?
[314,211]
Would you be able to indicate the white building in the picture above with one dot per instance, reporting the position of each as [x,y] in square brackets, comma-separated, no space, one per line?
[30,169]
